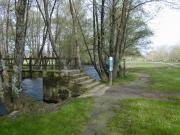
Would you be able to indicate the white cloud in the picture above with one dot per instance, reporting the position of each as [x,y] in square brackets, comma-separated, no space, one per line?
[166,28]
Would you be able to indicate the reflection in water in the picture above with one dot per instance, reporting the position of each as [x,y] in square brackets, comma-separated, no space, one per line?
[90,70]
[33,88]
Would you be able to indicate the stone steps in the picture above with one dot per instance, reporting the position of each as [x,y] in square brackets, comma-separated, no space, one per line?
[74,76]
[86,82]
[91,86]
[80,79]
[97,91]
[100,86]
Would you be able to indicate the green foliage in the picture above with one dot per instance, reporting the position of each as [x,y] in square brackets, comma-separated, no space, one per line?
[146,117]
[138,33]
[67,121]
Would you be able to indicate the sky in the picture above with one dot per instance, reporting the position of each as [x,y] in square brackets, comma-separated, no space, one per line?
[166,28]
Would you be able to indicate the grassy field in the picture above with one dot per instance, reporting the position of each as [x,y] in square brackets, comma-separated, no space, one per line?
[146,117]
[67,121]
[144,65]
[162,78]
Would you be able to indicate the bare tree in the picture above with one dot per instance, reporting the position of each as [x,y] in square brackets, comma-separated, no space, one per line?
[47,21]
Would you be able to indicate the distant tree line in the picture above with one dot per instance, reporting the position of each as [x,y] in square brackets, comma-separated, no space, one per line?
[171,54]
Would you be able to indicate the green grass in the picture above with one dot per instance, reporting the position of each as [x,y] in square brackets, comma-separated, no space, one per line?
[162,79]
[120,81]
[67,121]
[129,78]
[145,65]
[146,117]
[165,79]
[172,98]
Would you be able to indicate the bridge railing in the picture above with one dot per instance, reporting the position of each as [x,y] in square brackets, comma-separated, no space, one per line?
[43,63]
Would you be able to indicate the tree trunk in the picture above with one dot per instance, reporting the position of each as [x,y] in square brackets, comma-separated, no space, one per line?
[112,30]
[120,37]
[7,27]
[104,72]
[21,9]
[77,48]
[48,24]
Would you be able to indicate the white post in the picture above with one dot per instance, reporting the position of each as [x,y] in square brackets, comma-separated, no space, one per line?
[110,70]
[110,78]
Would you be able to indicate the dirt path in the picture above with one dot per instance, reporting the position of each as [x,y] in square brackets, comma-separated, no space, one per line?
[107,103]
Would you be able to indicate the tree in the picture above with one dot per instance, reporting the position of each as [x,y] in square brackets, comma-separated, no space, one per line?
[7,26]
[77,48]
[111,20]
[22,7]
[47,21]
